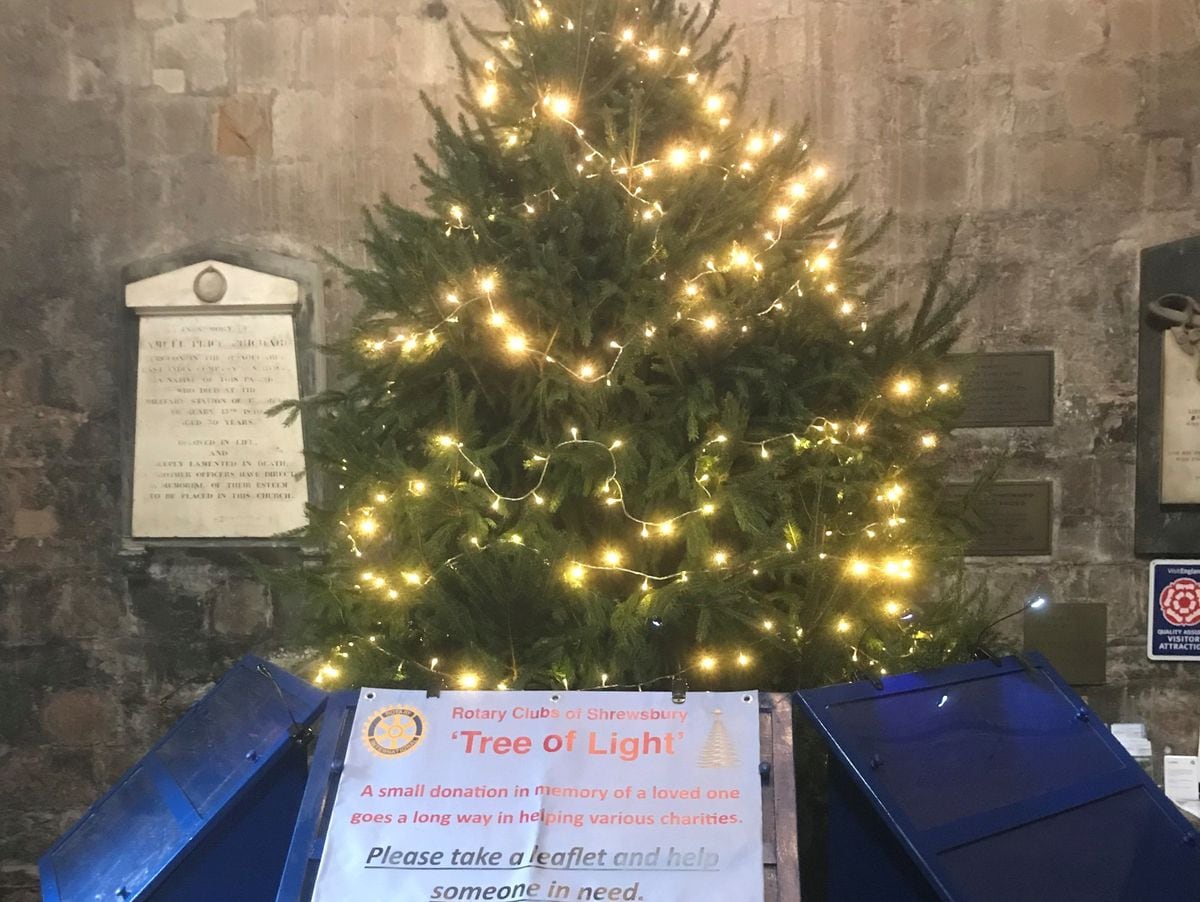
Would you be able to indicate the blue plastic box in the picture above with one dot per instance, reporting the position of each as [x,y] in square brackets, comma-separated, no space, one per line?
[991,782]
[208,812]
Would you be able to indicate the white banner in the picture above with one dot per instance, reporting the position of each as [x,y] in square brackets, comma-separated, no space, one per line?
[543,796]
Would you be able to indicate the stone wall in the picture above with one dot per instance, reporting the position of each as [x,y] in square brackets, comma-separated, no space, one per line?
[1064,131]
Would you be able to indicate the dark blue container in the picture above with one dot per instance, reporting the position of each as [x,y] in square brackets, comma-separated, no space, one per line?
[312,821]
[991,782]
[208,812]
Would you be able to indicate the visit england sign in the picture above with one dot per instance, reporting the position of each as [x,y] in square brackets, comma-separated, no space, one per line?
[541,795]
[1174,620]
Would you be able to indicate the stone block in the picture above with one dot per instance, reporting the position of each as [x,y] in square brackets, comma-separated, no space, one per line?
[1059,29]
[155,10]
[49,777]
[1077,479]
[74,381]
[1124,585]
[1169,173]
[930,175]
[23,619]
[218,9]
[35,524]
[774,57]
[165,607]
[1170,91]
[46,132]
[87,607]
[302,124]
[173,81]
[169,126]
[748,10]
[79,717]
[843,38]
[109,61]
[198,48]
[935,35]
[33,61]
[422,54]
[1057,170]
[1126,171]
[993,174]
[265,52]
[241,608]
[90,12]
[1145,27]
[1101,95]
[308,7]
[352,53]
[994,30]
[243,126]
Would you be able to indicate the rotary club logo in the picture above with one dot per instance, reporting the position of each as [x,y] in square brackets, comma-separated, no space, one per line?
[1180,602]
[392,732]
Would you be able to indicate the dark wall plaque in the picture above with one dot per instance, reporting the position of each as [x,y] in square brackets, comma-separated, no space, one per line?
[1006,389]
[1073,637]
[1166,530]
[1010,518]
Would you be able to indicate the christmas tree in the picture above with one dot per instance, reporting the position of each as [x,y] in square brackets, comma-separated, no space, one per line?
[719,749]
[627,403]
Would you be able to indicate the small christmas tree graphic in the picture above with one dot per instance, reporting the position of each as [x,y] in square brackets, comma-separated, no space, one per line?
[719,750]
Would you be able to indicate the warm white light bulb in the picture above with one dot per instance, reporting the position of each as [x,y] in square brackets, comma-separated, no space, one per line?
[559,104]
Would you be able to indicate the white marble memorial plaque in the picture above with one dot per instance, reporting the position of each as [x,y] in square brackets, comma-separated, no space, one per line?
[207,461]
[1180,478]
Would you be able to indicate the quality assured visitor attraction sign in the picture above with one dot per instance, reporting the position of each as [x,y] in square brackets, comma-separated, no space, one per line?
[1174,622]
[542,795]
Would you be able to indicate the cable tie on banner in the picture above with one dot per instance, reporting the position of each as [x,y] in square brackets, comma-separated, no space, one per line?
[679,689]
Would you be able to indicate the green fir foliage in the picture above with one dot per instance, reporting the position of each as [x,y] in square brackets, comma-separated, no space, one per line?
[734,481]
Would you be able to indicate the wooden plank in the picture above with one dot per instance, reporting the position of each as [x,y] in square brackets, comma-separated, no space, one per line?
[781,857]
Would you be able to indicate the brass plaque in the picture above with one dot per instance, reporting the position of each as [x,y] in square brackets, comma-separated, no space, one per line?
[1073,637]
[1006,389]
[1010,518]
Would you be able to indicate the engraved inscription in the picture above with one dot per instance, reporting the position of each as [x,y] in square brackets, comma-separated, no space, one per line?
[1007,389]
[1012,518]
[208,462]
[1180,465]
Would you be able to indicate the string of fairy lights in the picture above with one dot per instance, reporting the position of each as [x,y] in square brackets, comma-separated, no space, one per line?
[484,304]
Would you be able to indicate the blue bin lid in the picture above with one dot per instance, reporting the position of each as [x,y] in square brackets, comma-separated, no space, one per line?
[1003,785]
[130,839]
